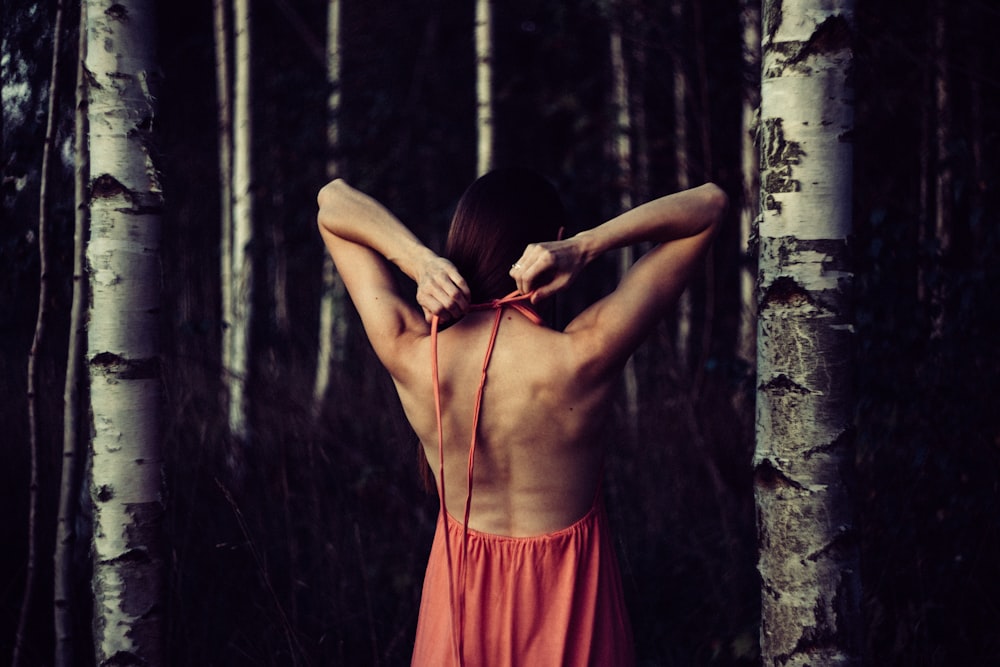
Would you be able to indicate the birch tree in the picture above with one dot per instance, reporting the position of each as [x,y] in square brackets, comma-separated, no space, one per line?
[808,560]
[41,325]
[749,170]
[123,260]
[333,302]
[622,149]
[224,130]
[484,86]
[240,315]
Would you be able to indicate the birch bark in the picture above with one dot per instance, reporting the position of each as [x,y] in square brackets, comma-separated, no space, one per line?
[333,302]
[807,535]
[749,169]
[224,120]
[622,143]
[484,86]
[124,269]
[242,269]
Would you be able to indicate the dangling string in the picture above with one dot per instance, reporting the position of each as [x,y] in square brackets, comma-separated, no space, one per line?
[514,300]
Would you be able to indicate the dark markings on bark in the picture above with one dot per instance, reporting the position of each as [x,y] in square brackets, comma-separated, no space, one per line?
[123,659]
[105,493]
[828,633]
[830,36]
[777,157]
[138,556]
[772,18]
[782,385]
[844,439]
[784,292]
[127,369]
[771,592]
[106,186]
[92,84]
[845,539]
[769,477]
[117,12]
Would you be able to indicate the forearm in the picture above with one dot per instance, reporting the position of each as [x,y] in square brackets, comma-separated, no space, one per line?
[676,216]
[352,215]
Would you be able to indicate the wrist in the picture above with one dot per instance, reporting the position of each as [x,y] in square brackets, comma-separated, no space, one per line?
[589,244]
[416,259]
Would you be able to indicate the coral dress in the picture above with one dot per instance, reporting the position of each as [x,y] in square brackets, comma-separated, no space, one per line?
[496,601]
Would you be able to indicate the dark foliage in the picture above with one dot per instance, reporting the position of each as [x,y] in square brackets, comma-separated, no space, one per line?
[929,437]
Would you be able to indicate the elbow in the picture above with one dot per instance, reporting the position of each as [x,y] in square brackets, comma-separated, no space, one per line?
[716,204]
[718,201]
[328,203]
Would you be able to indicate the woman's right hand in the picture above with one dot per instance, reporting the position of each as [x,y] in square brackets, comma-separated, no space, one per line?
[441,290]
[547,268]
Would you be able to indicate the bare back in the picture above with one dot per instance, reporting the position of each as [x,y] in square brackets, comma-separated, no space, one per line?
[537,458]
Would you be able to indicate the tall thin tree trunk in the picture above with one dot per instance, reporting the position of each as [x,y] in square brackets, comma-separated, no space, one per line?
[808,558]
[65,606]
[682,332]
[34,417]
[333,302]
[622,149]
[749,168]
[123,352]
[224,120]
[243,278]
[484,86]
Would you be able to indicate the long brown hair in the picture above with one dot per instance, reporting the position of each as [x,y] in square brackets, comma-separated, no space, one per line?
[499,214]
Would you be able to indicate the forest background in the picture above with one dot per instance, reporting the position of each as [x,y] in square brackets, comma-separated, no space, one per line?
[306,544]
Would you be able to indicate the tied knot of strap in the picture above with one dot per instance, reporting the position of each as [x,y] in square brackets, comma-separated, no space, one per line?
[519,302]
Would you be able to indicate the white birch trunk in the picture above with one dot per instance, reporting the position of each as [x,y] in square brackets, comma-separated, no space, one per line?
[749,168]
[224,119]
[332,306]
[123,348]
[64,605]
[242,268]
[804,442]
[622,143]
[484,86]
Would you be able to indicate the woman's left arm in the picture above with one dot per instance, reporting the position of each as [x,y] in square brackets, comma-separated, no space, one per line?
[362,235]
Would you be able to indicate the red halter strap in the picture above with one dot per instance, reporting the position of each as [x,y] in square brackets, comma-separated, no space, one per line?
[516,301]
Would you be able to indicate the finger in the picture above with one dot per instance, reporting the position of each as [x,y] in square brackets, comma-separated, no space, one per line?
[533,271]
[519,271]
[453,298]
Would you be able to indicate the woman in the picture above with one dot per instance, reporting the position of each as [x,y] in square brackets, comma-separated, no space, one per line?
[526,575]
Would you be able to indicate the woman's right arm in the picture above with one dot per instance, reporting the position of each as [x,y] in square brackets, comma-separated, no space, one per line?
[682,224]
